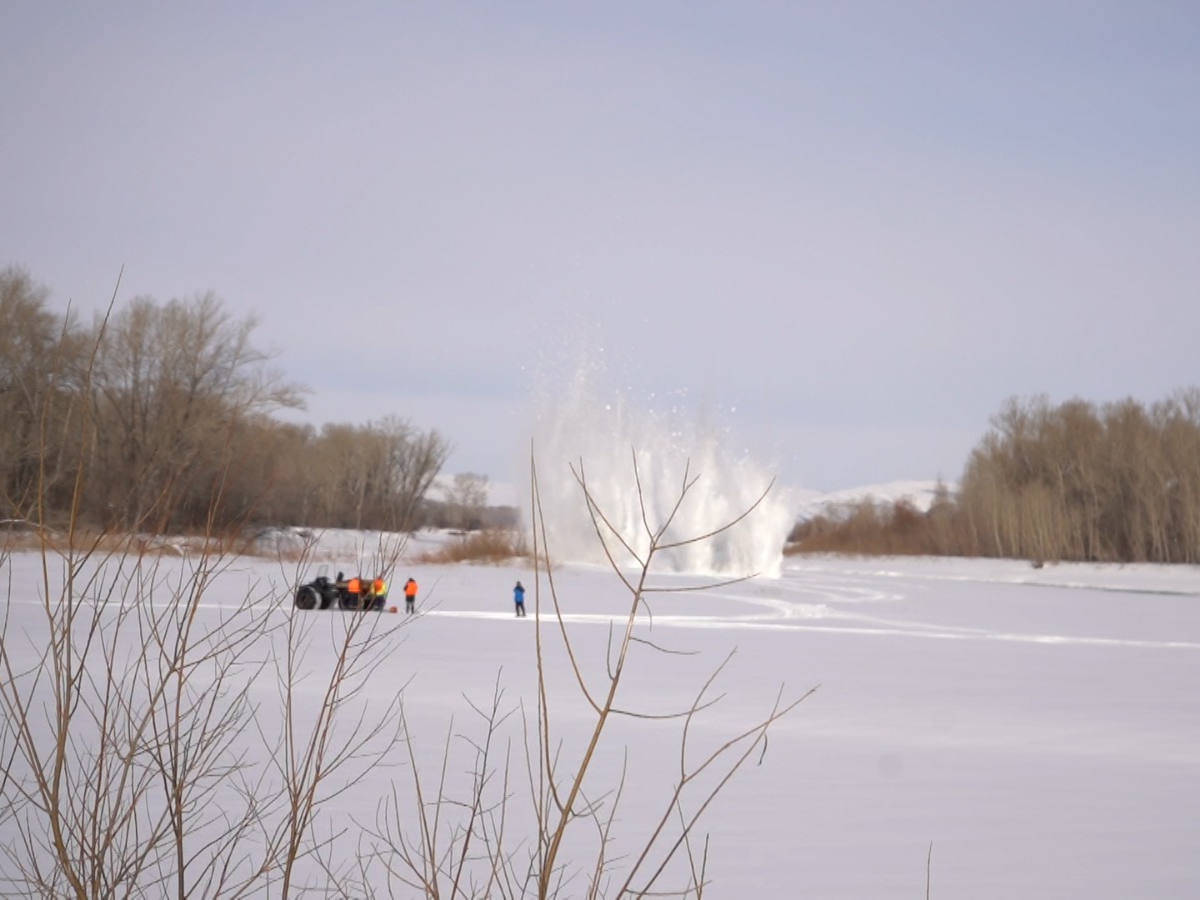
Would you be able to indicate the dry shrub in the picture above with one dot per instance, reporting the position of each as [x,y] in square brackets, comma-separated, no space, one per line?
[492,546]
[86,541]
[81,540]
[871,528]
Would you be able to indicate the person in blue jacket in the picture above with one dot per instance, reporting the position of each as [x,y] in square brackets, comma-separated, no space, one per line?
[519,598]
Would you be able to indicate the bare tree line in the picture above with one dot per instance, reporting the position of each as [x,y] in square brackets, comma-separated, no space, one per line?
[1073,481]
[1120,482]
[181,408]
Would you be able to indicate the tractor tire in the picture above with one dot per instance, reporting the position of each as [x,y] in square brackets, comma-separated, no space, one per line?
[351,602]
[308,597]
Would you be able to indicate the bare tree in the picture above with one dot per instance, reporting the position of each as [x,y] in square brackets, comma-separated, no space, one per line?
[169,381]
[370,476]
[39,367]
[415,459]
[467,496]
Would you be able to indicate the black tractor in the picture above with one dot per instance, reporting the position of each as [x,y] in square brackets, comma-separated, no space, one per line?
[322,593]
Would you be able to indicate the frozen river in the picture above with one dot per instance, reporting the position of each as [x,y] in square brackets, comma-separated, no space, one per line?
[1039,728]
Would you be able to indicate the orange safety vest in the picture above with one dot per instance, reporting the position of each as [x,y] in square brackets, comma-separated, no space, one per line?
[410,589]
[378,587]
[354,586]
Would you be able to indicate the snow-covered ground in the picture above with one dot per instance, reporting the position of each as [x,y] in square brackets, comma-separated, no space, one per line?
[1039,727]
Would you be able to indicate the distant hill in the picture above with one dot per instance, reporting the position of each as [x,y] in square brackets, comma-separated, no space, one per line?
[919,493]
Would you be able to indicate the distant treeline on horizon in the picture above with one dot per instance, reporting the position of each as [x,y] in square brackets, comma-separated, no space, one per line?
[1072,481]
[159,418]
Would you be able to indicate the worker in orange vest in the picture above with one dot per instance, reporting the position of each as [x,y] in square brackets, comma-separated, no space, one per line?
[378,592]
[410,596]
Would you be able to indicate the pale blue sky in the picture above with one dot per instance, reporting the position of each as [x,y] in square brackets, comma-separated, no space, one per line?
[846,231]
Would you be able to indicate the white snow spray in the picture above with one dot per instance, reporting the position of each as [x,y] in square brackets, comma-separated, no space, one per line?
[577,426]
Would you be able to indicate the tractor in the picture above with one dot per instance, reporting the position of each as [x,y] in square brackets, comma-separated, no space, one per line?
[340,593]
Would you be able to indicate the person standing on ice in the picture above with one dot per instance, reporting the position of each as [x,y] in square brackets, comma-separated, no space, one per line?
[519,599]
[410,596]
[378,593]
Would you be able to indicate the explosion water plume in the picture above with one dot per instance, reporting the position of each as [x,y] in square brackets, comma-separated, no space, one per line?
[634,461]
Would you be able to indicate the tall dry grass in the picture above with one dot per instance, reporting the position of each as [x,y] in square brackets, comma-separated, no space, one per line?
[493,546]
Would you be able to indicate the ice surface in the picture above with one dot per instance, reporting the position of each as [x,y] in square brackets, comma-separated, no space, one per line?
[1038,727]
